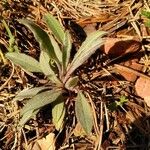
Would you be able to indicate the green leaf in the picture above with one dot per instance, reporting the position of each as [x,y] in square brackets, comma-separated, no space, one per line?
[12,47]
[28,93]
[26,62]
[8,30]
[27,116]
[67,45]
[58,113]
[114,105]
[47,70]
[89,46]
[84,112]
[41,100]
[55,27]
[57,50]
[42,37]
[146,13]
[122,101]
[72,82]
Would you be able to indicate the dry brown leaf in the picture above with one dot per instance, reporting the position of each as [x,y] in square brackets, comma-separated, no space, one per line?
[116,47]
[103,17]
[142,88]
[47,143]
[129,76]
[147,100]
[90,28]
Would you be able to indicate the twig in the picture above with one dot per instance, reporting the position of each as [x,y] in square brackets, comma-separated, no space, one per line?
[106,116]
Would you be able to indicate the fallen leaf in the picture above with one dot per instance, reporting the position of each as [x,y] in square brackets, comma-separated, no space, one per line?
[90,28]
[147,100]
[116,47]
[142,88]
[129,76]
[101,17]
[47,143]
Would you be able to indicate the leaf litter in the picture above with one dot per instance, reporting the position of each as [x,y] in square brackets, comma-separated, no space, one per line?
[129,123]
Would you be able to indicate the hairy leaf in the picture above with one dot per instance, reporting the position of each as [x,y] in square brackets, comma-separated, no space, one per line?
[42,37]
[26,62]
[89,46]
[55,27]
[41,100]
[27,116]
[57,49]
[58,112]
[72,82]
[67,45]
[84,112]
[28,93]
[46,68]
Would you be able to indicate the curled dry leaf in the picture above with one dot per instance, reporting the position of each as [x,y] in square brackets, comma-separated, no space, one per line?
[115,47]
[142,88]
